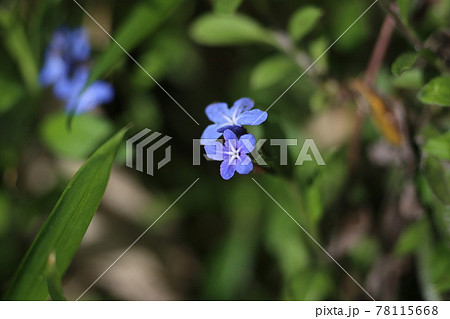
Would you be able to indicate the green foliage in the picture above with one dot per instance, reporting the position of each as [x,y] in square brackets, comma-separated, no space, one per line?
[404,7]
[11,94]
[439,146]
[219,30]
[437,91]
[86,132]
[303,21]
[19,49]
[140,24]
[54,280]
[437,178]
[412,238]
[403,62]
[271,71]
[66,225]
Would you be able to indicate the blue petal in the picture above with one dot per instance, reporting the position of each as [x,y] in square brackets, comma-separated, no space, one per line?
[227,170]
[238,130]
[245,166]
[80,49]
[229,135]
[214,151]
[210,133]
[217,112]
[253,117]
[246,143]
[54,68]
[59,40]
[241,105]
[99,92]
[67,87]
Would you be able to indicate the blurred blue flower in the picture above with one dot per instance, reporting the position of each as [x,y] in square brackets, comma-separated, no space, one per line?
[66,49]
[233,153]
[239,114]
[79,100]
[65,68]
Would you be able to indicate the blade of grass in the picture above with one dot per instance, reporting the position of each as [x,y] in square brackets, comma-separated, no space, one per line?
[66,225]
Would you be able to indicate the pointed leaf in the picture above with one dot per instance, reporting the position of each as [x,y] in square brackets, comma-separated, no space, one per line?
[66,225]
[437,91]
[217,30]
[270,71]
[303,21]
[403,62]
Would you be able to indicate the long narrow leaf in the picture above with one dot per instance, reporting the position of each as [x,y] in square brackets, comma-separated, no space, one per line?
[66,225]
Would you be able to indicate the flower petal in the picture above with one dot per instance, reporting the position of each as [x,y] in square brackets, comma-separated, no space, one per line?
[245,166]
[214,151]
[227,170]
[229,135]
[241,105]
[54,68]
[80,49]
[210,133]
[246,143]
[217,112]
[238,130]
[68,88]
[253,117]
[99,92]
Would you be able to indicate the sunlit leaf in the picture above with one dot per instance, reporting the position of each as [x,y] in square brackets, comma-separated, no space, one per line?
[86,133]
[439,146]
[303,21]
[437,91]
[217,30]
[66,225]
[271,71]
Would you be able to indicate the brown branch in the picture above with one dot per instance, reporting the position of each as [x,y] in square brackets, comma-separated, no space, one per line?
[379,52]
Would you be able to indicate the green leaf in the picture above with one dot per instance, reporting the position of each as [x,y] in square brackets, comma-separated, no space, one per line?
[271,71]
[141,22]
[439,146]
[303,21]
[87,132]
[217,30]
[54,280]
[436,178]
[66,225]
[226,6]
[437,91]
[403,62]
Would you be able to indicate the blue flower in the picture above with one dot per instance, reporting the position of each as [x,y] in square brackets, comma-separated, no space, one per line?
[66,49]
[79,100]
[65,68]
[233,153]
[239,114]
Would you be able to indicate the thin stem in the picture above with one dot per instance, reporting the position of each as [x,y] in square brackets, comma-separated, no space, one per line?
[391,9]
[379,52]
